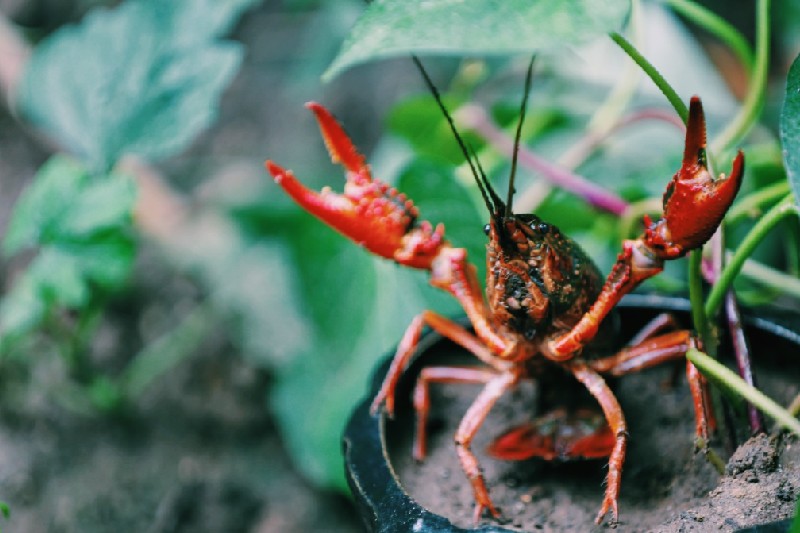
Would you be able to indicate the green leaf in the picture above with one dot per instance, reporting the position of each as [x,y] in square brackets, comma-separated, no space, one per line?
[65,203]
[37,212]
[64,276]
[419,121]
[195,21]
[21,309]
[144,78]
[332,269]
[325,383]
[390,28]
[82,227]
[790,128]
[795,528]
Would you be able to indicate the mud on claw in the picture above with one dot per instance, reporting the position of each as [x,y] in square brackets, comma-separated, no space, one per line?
[544,304]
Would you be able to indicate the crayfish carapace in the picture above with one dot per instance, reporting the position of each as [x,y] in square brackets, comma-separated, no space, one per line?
[545,298]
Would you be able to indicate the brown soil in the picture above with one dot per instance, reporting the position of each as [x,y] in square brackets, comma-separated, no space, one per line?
[666,486]
[197,454]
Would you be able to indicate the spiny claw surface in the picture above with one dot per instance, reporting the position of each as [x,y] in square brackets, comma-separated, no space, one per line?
[369,212]
[694,202]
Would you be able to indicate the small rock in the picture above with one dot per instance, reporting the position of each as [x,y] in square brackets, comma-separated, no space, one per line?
[785,492]
[757,454]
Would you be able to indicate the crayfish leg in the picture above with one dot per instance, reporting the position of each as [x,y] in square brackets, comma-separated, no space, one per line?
[422,404]
[408,347]
[660,349]
[468,428]
[616,420]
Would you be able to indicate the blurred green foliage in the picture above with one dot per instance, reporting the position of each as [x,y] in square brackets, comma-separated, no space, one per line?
[82,230]
[144,78]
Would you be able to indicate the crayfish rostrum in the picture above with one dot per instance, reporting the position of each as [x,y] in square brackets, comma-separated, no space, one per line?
[545,299]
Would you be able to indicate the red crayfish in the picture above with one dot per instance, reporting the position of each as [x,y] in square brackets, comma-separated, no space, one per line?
[545,299]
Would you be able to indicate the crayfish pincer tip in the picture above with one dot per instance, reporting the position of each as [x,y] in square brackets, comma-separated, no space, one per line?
[272,167]
[276,171]
[319,111]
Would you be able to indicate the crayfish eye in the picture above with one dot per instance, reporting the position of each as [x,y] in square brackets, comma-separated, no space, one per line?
[487,229]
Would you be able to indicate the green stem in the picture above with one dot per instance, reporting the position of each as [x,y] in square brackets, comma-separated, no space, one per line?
[718,26]
[781,210]
[794,407]
[786,284]
[654,75]
[699,317]
[721,374]
[756,201]
[610,111]
[754,101]
[166,352]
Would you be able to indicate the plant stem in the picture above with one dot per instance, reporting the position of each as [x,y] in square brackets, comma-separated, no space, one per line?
[166,352]
[476,118]
[654,75]
[741,350]
[718,26]
[699,317]
[754,101]
[581,149]
[608,114]
[769,277]
[14,54]
[755,202]
[718,372]
[794,407]
[781,210]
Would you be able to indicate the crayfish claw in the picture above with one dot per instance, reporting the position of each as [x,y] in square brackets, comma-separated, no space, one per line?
[694,201]
[339,145]
[694,151]
[369,212]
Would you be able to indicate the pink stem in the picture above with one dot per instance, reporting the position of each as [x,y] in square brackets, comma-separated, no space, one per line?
[476,118]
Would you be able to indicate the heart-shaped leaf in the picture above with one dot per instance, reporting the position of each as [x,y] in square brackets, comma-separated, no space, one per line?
[390,28]
[144,78]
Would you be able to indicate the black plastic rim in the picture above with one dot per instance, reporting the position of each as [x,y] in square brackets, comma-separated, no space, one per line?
[382,502]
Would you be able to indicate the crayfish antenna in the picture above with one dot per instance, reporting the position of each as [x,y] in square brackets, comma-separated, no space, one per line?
[493,202]
[522,111]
